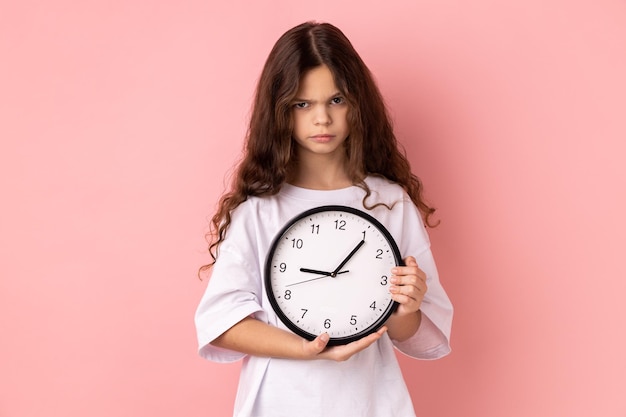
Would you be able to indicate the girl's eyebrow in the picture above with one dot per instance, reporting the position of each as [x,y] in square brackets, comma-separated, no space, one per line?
[332,96]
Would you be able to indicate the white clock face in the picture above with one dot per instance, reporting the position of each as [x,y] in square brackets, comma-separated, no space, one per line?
[328,271]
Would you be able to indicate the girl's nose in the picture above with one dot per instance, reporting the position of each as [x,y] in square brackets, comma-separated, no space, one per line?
[322,117]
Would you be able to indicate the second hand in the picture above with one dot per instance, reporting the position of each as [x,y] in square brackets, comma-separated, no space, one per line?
[314,279]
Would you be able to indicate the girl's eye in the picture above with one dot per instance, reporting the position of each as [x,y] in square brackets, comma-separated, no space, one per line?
[337,100]
[302,105]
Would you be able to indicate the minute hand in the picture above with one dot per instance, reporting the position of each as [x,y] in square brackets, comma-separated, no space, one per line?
[345,261]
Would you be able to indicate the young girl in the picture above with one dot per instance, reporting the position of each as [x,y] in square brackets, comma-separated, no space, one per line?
[319,134]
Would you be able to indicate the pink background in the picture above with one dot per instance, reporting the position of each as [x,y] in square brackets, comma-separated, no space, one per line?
[119,120]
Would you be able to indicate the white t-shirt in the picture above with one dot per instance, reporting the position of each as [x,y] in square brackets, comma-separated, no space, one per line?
[368,384]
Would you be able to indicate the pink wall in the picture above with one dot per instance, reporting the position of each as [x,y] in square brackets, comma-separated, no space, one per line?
[119,119]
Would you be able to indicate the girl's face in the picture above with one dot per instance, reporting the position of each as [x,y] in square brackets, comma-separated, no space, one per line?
[319,113]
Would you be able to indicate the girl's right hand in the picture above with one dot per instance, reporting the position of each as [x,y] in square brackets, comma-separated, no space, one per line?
[254,337]
[316,349]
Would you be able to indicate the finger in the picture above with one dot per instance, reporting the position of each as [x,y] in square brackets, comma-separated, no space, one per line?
[410,286]
[321,341]
[405,294]
[407,298]
[316,345]
[415,277]
[410,266]
[366,341]
[407,303]
[372,337]
[410,261]
[345,352]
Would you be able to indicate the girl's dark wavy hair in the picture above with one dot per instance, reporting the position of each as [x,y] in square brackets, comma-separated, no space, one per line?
[371,148]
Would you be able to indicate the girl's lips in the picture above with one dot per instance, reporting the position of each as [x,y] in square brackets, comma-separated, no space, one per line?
[322,138]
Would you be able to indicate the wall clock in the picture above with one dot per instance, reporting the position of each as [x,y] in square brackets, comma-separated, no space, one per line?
[328,270]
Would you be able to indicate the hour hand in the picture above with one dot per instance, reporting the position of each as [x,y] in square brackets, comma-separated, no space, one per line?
[325,273]
[315,271]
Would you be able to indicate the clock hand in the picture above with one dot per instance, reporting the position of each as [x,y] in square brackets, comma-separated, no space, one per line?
[313,271]
[356,248]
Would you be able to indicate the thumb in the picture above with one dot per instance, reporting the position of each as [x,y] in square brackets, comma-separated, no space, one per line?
[321,341]
[316,346]
[410,261]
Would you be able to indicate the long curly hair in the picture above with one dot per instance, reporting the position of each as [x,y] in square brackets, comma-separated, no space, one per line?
[269,153]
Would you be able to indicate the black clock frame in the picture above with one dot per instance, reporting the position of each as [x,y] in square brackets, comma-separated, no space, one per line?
[334,341]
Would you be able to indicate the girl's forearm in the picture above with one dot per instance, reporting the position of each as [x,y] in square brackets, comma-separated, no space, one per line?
[254,337]
[403,327]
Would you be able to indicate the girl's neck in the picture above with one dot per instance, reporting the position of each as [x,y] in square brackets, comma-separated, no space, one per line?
[319,176]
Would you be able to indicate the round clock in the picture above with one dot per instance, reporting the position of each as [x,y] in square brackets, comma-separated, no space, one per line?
[328,270]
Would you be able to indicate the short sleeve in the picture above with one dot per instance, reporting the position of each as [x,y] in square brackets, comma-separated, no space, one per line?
[233,293]
[432,340]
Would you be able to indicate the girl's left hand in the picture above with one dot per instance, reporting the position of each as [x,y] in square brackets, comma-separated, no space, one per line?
[408,286]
